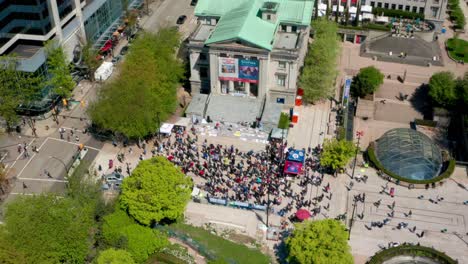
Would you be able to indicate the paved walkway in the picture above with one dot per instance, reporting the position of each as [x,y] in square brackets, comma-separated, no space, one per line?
[312,127]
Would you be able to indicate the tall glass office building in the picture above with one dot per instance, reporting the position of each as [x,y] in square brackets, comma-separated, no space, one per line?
[25,25]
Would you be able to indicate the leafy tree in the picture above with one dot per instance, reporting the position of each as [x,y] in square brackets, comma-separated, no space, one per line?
[319,242]
[120,231]
[442,89]
[49,229]
[16,88]
[319,72]
[156,191]
[145,88]
[5,183]
[462,91]
[143,241]
[115,256]
[8,253]
[337,153]
[59,69]
[112,228]
[89,59]
[367,81]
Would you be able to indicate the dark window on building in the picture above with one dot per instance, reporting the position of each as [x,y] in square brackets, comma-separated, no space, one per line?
[400,7]
[407,8]
[415,9]
[385,5]
[421,10]
[202,56]
[203,72]
[393,6]
[372,3]
[379,4]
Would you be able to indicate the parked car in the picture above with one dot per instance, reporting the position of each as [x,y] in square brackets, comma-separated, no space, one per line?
[181,19]
[116,59]
[124,50]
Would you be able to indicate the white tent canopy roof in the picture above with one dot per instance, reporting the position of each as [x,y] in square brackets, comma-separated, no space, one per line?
[353,10]
[322,7]
[166,128]
[340,9]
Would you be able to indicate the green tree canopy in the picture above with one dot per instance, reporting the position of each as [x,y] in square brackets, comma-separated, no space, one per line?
[16,88]
[59,69]
[442,89]
[156,191]
[145,87]
[319,71]
[49,229]
[319,242]
[367,81]
[337,153]
[115,256]
[120,231]
[462,92]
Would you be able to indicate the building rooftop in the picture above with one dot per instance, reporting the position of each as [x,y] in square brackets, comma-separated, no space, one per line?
[241,19]
[203,32]
[285,40]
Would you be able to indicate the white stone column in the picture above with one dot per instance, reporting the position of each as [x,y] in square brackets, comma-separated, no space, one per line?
[56,19]
[214,78]
[230,87]
[262,78]
[79,15]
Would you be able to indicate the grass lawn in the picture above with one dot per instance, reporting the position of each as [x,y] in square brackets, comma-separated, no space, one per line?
[458,49]
[224,251]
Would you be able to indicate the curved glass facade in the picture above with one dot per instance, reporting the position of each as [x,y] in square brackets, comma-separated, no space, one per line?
[409,154]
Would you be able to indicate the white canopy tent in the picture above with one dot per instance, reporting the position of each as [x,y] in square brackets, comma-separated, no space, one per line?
[104,71]
[353,10]
[367,16]
[340,9]
[381,19]
[166,128]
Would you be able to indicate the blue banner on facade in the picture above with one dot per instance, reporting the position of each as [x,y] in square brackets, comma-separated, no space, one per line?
[248,70]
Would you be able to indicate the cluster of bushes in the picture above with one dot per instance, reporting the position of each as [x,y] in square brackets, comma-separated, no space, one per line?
[411,250]
[284,121]
[396,13]
[456,14]
[373,159]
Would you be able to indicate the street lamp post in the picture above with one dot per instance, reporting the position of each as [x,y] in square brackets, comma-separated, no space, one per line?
[359,134]
[61,161]
[159,126]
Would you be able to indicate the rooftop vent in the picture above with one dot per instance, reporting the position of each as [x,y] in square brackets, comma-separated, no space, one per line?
[270,6]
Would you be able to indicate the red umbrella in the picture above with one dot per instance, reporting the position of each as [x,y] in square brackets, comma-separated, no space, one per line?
[302,214]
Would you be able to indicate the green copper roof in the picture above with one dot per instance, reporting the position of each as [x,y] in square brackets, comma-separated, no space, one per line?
[240,19]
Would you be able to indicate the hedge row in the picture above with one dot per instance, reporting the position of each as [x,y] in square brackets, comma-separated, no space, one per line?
[456,14]
[368,26]
[396,13]
[373,159]
[423,122]
[411,250]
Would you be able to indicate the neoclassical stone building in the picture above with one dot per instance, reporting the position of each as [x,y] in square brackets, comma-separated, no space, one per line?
[249,48]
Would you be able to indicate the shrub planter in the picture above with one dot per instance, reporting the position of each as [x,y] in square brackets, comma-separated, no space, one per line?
[412,251]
